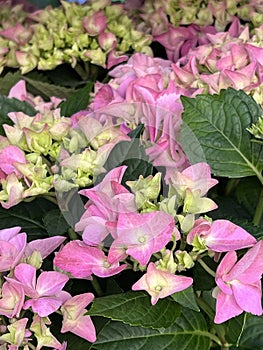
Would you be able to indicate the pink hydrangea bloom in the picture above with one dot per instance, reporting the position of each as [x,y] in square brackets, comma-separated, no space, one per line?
[9,156]
[106,201]
[17,334]
[81,261]
[12,246]
[75,319]
[45,292]
[160,284]
[141,235]
[196,177]
[95,24]
[219,236]
[44,246]
[12,300]
[239,284]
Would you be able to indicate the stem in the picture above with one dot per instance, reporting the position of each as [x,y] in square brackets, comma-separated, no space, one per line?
[206,268]
[231,185]
[259,210]
[72,234]
[96,286]
[220,330]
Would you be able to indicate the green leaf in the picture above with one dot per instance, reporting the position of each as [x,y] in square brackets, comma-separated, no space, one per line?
[219,123]
[186,298]
[132,154]
[12,105]
[234,329]
[247,193]
[55,223]
[46,90]
[77,101]
[189,332]
[29,216]
[136,310]
[252,336]
[8,81]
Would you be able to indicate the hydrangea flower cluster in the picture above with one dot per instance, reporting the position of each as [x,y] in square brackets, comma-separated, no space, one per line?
[161,14]
[124,229]
[97,32]
[21,290]
[50,150]
[154,225]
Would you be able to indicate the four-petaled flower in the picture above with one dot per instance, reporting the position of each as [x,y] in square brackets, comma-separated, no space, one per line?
[74,318]
[160,284]
[142,234]
[239,284]
[45,293]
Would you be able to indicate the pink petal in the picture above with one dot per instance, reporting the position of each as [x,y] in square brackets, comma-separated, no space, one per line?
[226,236]
[26,275]
[7,233]
[84,329]
[50,282]
[43,306]
[226,308]
[44,246]
[249,268]
[77,304]
[226,264]
[248,297]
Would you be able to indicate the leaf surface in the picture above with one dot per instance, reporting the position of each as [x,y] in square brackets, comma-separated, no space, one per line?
[219,123]
[189,332]
[135,309]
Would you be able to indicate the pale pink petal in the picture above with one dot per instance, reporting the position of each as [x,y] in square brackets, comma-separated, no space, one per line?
[77,304]
[43,306]
[84,329]
[249,268]
[44,246]
[7,233]
[8,254]
[248,297]
[225,236]
[50,282]
[12,300]
[160,284]
[26,275]
[226,308]
[95,230]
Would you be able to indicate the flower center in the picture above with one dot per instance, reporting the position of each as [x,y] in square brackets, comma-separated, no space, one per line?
[158,288]
[142,239]
[106,264]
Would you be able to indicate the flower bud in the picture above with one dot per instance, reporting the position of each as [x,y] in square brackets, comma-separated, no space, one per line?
[95,24]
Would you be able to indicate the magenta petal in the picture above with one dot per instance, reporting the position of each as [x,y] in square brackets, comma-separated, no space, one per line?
[226,308]
[248,297]
[74,258]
